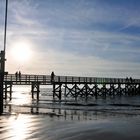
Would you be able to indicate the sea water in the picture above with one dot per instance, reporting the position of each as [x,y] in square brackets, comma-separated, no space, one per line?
[22,102]
[111,118]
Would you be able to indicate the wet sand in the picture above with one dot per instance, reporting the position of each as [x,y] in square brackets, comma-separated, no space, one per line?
[53,127]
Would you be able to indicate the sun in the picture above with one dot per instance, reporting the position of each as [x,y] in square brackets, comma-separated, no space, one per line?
[21,51]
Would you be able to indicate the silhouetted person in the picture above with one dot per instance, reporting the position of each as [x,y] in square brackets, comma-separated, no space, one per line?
[19,74]
[52,77]
[127,80]
[16,74]
[131,80]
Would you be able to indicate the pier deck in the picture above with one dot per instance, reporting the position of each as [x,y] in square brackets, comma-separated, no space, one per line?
[74,86]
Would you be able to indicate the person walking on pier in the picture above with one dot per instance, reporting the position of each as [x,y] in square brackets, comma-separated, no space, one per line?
[131,80]
[16,74]
[52,77]
[19,74]
[127,80]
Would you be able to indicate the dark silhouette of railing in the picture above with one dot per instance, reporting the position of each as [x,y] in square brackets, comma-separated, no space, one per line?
[97,80]
[27,79]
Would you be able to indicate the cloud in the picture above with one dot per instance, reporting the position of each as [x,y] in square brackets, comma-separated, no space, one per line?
[70,64]
[22,12]
[78,38]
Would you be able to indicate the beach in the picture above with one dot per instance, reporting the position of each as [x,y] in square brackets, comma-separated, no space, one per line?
[49,127]
[26,119]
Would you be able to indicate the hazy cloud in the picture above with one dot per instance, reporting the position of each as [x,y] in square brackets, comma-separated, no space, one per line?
[77,36]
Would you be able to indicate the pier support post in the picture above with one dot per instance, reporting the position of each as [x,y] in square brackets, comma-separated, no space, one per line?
[104,91]
[32,89]
[53,90]
[138,89]
[75,90]
[38,92]
[96,92]
[86,91]
[60,92]
[35,88]
[111,92]
[7,89]
[10,92]
[65,91]
[119,89]
[57,91]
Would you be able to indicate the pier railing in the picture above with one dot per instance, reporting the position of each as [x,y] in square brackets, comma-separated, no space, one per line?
[46,79]
[27,79]
[98,80]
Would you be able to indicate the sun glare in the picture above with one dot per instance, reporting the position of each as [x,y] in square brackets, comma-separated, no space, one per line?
[21,51]
[19,127]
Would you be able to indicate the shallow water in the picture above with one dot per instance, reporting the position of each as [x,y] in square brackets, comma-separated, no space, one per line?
[23,103]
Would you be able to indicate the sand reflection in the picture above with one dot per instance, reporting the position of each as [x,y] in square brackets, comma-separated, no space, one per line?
[38,127]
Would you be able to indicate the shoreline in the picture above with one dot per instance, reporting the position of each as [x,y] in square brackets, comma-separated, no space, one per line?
[123,109]
[64,112]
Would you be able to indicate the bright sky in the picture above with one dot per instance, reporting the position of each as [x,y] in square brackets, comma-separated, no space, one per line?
[73,37]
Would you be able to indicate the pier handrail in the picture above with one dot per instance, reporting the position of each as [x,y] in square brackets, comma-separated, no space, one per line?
[28,78]
[98,80]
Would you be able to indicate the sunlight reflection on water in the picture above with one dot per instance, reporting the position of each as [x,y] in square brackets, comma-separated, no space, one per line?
[21,95]
[16,127]
[38,127]
[20,98]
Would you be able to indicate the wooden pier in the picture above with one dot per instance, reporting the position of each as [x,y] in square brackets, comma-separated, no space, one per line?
[34,80]
[65,86]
